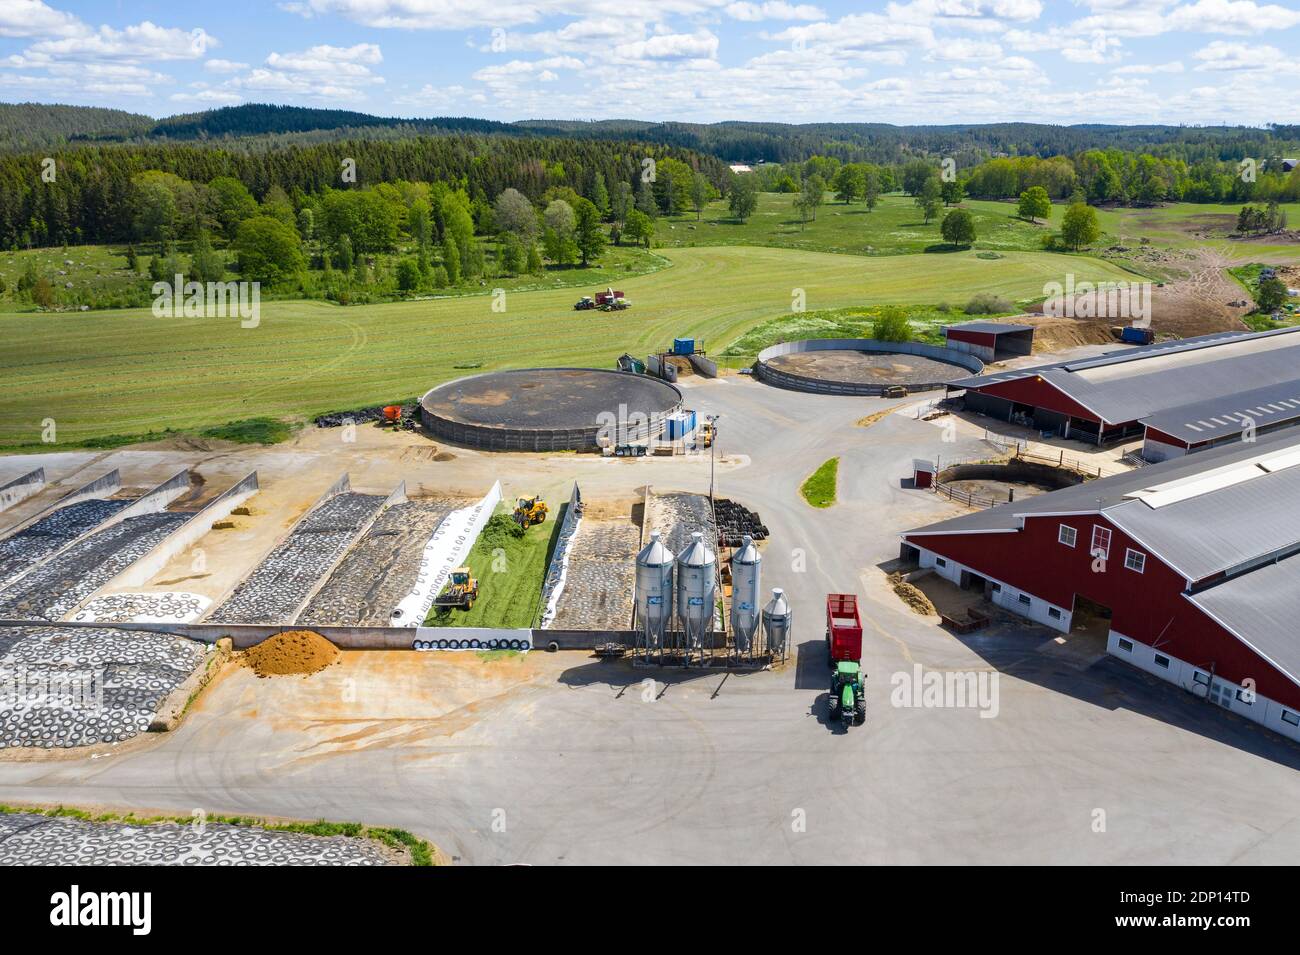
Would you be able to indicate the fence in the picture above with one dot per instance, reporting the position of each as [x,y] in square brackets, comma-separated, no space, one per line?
[965,497]
[1020,449]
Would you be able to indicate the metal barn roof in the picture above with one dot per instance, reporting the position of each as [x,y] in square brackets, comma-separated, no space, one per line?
[1139,382]
[988,328]
[1202,514]
[1225,416]
[1261,608]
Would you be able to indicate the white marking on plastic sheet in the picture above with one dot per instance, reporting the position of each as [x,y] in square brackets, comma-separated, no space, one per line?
[446,550]
[556,574]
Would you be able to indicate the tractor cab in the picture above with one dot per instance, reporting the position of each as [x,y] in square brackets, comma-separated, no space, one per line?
[460,591]
[530,511]
[848,702]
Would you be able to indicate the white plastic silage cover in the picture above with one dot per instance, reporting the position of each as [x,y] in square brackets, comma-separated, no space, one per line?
[446,550]
[559,569]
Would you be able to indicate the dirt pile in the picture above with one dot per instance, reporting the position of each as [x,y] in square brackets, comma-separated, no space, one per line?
[912,596]
[291,653]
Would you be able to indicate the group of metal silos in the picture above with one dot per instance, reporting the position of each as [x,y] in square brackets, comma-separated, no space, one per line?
[680,614]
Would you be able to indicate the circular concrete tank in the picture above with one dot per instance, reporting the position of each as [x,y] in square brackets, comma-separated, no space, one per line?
[548,409]
[861,366]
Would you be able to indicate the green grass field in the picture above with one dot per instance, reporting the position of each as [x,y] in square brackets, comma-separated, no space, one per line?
[98,276]
[894,227]
[98,374]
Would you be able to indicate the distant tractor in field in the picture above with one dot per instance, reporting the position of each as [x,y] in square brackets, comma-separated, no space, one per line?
[530,511]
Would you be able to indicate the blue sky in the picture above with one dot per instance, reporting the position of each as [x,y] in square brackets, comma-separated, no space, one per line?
[923,61]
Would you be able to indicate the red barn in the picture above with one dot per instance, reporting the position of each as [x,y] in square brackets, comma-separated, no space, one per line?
[1193,563]
[1110,396]
[991,341]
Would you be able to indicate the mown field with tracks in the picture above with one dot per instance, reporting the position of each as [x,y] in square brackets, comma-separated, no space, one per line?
[100,374]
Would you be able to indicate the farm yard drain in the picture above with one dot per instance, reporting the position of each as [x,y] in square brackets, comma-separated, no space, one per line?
[291,653]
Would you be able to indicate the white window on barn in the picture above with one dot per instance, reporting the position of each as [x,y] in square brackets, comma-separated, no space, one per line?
[1100,542]
[1135,560]
[1068,535]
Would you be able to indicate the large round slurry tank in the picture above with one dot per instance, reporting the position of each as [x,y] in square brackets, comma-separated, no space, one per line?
[746,593]
[697,587]
[654,591]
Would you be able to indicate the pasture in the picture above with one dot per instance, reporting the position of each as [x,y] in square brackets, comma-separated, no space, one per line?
[126,373]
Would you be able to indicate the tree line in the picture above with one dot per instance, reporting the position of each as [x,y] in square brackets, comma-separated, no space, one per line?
[95,194]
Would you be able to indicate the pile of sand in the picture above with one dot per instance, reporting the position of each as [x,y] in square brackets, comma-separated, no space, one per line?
[291,653]
[912,596]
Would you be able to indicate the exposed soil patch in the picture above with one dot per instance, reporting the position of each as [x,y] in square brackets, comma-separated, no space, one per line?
[291,653]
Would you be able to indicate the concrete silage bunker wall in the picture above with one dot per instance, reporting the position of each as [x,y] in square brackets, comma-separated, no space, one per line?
[243,636]
[782,379]
[522,436]
[139,573]
[101,487]
[21,488]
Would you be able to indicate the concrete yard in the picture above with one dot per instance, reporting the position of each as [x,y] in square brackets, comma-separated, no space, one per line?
[558,758]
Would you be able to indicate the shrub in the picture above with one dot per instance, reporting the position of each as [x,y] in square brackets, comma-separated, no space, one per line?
[986,303]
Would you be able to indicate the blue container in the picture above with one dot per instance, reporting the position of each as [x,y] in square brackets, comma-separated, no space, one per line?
[1139,336]
[679,425]
[683,346]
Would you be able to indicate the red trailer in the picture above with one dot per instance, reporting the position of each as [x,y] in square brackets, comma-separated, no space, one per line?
[843,629]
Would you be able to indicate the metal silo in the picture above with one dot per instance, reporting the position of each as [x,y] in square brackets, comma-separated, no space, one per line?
[697,588]
[654,592]
[746,593]
[777,620]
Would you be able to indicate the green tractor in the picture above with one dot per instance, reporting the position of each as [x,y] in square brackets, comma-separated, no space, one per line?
[848,694]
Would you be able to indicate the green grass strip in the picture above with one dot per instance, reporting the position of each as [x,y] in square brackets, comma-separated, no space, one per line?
[819,489]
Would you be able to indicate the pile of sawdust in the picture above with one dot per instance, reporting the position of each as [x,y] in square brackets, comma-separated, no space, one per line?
[291,653]
[912,596]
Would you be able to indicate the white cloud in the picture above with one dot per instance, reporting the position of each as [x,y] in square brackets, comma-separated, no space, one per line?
[142,41]
[224,66]
[774,10]
[671,46]
[1147,69]
[23,18]
[1224,56]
